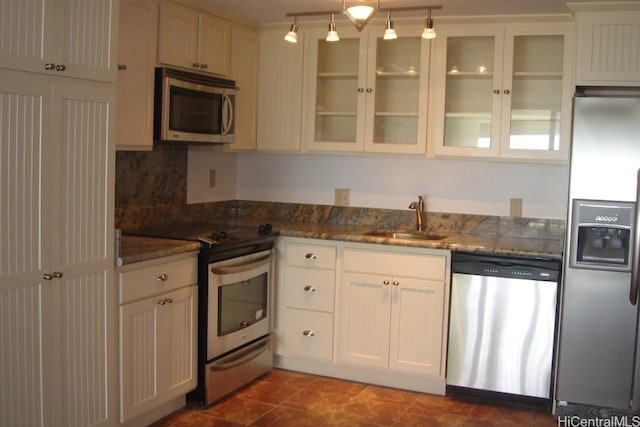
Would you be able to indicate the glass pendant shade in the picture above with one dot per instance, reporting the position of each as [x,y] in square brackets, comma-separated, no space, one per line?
[292,35]
[332,34]
[360,12]
[389,32]
[429,32]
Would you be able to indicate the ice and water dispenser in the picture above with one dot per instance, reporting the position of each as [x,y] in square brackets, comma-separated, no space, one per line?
[602,234]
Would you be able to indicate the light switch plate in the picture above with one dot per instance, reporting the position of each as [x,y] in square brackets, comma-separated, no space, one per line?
[342,197]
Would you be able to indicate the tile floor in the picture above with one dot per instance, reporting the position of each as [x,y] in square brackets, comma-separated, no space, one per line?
[284,398]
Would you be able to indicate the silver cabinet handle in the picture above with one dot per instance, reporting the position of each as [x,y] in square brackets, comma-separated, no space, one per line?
[385,282]
[506,91]
[396,283]
[61,67]
[310,256]
[635,262]
[309,288]
[47,276]
[308,333]
[49,66]
[57,275]
[122,67]
[162,278]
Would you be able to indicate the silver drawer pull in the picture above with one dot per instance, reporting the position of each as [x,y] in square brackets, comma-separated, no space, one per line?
[310,255]
[308,333]
[309,288]
[162,278]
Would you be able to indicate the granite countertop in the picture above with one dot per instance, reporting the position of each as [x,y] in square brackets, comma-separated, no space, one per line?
[136,248]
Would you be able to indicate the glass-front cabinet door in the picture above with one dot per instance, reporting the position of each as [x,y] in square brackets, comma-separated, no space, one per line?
[502,91]
[363,93]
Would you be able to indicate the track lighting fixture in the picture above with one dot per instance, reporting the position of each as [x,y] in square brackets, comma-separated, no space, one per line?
[389,32]
[429,32]
[332,34]
[359,13]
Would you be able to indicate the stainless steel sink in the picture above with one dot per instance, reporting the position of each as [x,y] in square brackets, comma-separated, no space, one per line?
[404,234]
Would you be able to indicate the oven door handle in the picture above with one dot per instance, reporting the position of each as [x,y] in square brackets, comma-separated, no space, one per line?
[243,267]
[240,358]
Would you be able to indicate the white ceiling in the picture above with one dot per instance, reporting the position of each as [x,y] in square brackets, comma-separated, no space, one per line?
[264,11]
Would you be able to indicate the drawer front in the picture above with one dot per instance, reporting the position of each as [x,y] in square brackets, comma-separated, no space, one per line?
[311,256]
[417,265]
[310,289]
[309,334]
[157,279]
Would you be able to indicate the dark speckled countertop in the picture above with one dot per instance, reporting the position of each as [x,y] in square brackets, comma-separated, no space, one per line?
[136,249]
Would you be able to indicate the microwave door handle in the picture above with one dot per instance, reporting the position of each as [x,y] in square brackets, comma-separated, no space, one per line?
[635,261]
[227,113]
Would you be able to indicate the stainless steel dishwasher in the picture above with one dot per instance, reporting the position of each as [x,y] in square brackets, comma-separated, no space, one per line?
[502,327]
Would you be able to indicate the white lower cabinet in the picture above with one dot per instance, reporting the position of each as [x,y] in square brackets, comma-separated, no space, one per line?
[392,309]
[364,312]
[158,327]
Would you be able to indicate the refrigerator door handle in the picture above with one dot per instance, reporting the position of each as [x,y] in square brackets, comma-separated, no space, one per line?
[633,290]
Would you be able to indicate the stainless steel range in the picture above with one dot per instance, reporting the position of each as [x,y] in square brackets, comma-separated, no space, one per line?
[235,267]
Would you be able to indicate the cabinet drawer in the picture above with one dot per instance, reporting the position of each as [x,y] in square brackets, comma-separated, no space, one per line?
[309,334]
[311,256]
[417,265]
[157,279]
[310,289]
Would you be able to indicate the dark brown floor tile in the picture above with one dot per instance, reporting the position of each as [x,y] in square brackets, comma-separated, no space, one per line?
[290,378]
[376,412]
[442,403]
[268,392]
[430,417]
[242,411]
[288,417]
[311,399]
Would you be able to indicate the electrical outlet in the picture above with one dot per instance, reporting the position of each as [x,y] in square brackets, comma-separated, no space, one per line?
[515,209]
[212,178]
[342,197]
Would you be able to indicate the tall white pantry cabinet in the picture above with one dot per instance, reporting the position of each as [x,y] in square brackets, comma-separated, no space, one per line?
[57,297]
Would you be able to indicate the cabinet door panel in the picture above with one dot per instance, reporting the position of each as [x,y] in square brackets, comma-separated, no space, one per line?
[416,326]
[364,321]
[214,42]
[244,70]
[177,35]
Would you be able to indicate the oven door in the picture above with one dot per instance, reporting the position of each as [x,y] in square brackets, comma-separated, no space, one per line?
[239,296]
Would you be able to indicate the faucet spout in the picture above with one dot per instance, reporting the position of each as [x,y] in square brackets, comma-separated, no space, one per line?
[419,208]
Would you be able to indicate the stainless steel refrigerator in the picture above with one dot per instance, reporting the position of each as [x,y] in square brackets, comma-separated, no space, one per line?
[598,369]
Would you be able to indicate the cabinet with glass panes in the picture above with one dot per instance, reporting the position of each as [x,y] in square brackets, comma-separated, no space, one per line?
[504,91]
[366,94]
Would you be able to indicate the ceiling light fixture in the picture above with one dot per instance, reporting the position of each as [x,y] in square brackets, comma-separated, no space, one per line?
[359,13]
[292,35]
[332,35]
[429,32]
[389,32]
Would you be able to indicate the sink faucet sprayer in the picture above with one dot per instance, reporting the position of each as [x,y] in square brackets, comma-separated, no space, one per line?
[419,207]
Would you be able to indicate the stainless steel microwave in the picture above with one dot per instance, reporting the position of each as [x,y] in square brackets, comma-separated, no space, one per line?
[193,108]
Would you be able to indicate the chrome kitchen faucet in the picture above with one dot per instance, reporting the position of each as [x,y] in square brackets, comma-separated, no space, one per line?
[419,208]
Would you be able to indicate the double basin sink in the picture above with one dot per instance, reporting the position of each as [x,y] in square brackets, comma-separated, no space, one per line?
[404,234]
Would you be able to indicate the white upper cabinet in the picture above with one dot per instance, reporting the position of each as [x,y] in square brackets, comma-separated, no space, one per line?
[279,92]
[608,47]
[502,91]
[192,39]
[363,93]
[74,38]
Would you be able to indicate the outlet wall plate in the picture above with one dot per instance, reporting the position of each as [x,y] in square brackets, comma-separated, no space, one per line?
[342,197]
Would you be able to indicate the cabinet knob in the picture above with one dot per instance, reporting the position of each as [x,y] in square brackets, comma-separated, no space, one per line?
[308,333]
[168,300]
[161,302]
[162,278]
[496,91]
[310,255]
[309,288]
[507,91]
[385,282]
[360,89]
[47,276]
[49,66]
[61,67]
[196,65]
[396,283]
[57,275]
[122,67]
[369,90]
[204,66]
